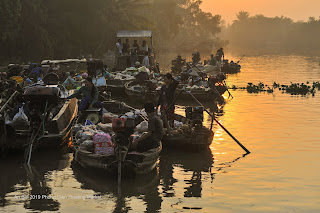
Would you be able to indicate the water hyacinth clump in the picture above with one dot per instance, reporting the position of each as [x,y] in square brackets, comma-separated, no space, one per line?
[293,89]
[261,87]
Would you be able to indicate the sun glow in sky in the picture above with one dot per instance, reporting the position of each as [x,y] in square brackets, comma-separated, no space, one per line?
[294,9]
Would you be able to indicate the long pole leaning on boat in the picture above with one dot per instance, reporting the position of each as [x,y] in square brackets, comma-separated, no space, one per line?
[240,58]
[212,116]
[8,101]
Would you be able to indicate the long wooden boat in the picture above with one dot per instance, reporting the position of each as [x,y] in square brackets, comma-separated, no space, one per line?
[140,92]
[60,114]
[230,68]
[134,163]
[201,94]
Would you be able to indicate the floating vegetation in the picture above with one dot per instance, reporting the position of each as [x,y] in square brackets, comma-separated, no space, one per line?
[293,89]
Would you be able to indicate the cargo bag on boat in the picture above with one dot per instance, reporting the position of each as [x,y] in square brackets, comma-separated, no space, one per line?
[103,144]
[20,118]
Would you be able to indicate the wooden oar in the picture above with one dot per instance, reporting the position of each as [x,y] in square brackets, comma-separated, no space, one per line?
[224,82]
[212,116]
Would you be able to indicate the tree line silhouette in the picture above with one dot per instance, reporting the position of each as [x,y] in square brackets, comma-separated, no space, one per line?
[273,34]
[38,29]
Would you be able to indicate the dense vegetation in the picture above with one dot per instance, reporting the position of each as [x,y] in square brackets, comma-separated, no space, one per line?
[38,29]
[274,35]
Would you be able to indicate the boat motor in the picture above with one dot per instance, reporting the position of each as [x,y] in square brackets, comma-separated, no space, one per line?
[40,99]
[195,114]
[123,127]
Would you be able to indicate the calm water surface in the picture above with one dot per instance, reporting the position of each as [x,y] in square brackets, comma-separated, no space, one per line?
[282,173]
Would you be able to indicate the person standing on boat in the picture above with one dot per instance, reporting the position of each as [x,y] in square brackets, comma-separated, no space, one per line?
[136,46]
[119,46]
[213,60]
[90,95]
[144,47]
[155,131]
[126,47]
[145,61]
[166,97]
[196,57]
[220,54]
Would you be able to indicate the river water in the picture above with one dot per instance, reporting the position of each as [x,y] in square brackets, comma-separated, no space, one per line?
[281,174]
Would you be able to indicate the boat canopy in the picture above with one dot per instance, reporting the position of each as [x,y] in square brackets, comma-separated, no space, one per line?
[64,61]
[134,34]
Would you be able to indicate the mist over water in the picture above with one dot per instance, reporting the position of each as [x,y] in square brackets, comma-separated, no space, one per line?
[280,175]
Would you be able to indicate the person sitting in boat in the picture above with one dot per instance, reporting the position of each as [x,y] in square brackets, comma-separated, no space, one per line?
[90,95]
[143,75]
[155,131]
[213,60]
[70,83]
[37,73]
[167,96]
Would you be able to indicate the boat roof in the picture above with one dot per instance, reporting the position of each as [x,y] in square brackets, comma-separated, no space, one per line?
[134,34]
[64,61]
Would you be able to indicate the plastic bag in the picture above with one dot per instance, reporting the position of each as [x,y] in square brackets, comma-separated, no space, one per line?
[20,118]
[87,145]
[142,127]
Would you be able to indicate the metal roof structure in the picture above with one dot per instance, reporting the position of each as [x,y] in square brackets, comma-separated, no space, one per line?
[134,34]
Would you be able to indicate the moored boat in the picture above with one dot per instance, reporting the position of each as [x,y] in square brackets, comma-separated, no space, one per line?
[143,93]
[49,119]
[201,93]
[192,135]
[131,162]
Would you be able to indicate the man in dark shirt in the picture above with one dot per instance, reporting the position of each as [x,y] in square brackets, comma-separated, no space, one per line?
[155,131]
[166,97]
[136,46]
[126,47]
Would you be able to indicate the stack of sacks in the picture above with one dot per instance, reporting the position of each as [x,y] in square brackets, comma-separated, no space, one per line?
[88,138]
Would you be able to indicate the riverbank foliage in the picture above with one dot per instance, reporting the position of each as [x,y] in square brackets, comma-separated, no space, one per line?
[276,35]
[37,29]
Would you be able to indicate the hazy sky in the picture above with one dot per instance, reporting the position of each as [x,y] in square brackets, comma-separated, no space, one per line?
[294,9]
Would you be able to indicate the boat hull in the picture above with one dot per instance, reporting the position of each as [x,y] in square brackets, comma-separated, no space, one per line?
[134,164]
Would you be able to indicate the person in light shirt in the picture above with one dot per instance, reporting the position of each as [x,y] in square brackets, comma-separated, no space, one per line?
[144,47]
[119,46]
[145,61]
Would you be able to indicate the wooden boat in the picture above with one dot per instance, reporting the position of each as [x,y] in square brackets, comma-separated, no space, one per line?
[204,95]
[230,68]
[116,86]
[50,120]
[142,93]
[197,138]
[134,163]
